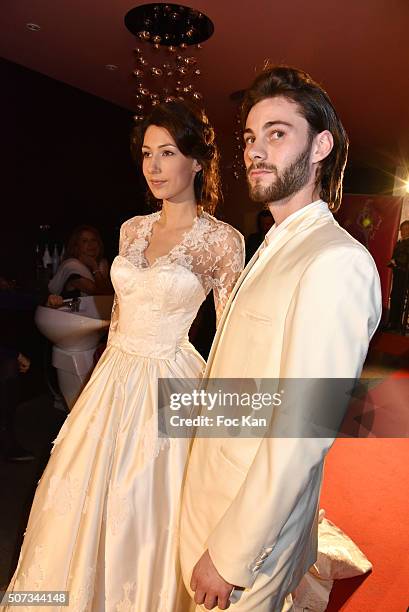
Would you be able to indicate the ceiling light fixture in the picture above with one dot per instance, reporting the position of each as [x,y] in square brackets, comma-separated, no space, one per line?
[237,166]
[165,69]
[34,27]
[111,67]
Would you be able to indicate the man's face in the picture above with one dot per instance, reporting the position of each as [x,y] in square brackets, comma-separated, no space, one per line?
[277,151]
[404,231]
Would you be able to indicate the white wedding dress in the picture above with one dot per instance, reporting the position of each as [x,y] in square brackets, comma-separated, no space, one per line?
[104,521]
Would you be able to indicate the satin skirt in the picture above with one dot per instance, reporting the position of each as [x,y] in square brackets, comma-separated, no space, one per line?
[104,521]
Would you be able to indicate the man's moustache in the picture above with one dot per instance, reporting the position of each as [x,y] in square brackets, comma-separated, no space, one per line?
[261,167]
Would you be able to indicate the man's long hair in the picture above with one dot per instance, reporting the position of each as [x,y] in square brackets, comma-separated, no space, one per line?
[316,107]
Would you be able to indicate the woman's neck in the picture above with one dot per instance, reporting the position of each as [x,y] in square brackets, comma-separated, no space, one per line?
[178,215]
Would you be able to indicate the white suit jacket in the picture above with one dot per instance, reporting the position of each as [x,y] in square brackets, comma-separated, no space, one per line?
[307,307]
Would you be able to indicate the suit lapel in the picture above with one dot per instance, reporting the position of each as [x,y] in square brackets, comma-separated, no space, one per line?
[259,260]
[226,310]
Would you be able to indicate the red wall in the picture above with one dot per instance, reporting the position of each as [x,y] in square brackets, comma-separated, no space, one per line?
[374,221]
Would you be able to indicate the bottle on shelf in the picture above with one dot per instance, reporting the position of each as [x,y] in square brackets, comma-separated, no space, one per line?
[47,261]
[55,260]
[38,262]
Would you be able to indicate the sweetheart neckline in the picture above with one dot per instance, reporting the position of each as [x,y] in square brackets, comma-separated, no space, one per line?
[148,238]
[169,263]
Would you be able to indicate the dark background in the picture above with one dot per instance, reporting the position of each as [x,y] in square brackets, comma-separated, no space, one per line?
[66,161]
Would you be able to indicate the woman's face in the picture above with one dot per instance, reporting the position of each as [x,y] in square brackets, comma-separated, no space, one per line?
[169,174]
[88,244]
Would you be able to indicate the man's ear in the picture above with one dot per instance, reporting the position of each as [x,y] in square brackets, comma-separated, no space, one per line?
[322,147]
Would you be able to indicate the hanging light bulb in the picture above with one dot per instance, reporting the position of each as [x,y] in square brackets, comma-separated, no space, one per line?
[171,28]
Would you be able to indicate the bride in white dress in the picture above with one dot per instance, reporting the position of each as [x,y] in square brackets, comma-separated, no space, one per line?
[104,521]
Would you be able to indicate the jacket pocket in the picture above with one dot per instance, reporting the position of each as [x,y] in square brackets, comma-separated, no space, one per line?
[240,469]
[257,317]
[239,453]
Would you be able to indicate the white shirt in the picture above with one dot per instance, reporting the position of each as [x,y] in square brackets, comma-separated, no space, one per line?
[277,229]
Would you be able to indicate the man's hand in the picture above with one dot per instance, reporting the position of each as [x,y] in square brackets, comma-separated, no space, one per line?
[209,587]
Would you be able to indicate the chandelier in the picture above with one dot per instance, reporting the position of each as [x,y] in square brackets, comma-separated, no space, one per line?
[166,64]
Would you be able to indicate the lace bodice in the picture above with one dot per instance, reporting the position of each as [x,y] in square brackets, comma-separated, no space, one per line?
[155,305]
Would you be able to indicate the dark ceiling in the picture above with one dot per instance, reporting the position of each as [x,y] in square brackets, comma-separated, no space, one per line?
[358,49]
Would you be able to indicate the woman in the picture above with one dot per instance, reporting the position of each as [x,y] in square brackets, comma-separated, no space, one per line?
[104,521]
[84,270]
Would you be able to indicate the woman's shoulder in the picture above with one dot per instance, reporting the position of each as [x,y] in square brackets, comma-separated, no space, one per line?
[223,228]
[134,223]
[70,262]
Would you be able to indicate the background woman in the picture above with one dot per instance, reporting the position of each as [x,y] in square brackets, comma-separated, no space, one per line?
[84,270]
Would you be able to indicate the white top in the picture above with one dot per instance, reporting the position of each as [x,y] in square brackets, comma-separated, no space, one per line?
[277,229]
[211,250]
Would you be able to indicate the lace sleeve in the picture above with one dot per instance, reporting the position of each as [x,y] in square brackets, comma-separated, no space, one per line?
[230,263]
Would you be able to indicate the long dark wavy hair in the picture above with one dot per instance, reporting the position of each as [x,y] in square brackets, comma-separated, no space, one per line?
[194,137]
[316,107]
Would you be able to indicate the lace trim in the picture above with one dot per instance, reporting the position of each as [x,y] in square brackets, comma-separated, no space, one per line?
[61,494]
[126,603]
[33,577]
[117,509]
[211,249]
[80,601]
[152,443]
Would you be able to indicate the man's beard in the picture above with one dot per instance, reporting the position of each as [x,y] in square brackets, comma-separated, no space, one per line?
[293,178]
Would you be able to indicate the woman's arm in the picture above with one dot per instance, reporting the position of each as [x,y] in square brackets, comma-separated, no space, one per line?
[228,268]
[101,283]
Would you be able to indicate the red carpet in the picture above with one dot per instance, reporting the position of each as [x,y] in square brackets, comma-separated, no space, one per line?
[366,493]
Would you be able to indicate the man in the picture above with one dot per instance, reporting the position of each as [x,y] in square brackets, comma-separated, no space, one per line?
[305,307]
[400,266]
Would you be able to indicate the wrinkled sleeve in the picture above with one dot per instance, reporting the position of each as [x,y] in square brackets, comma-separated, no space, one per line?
[229,264]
